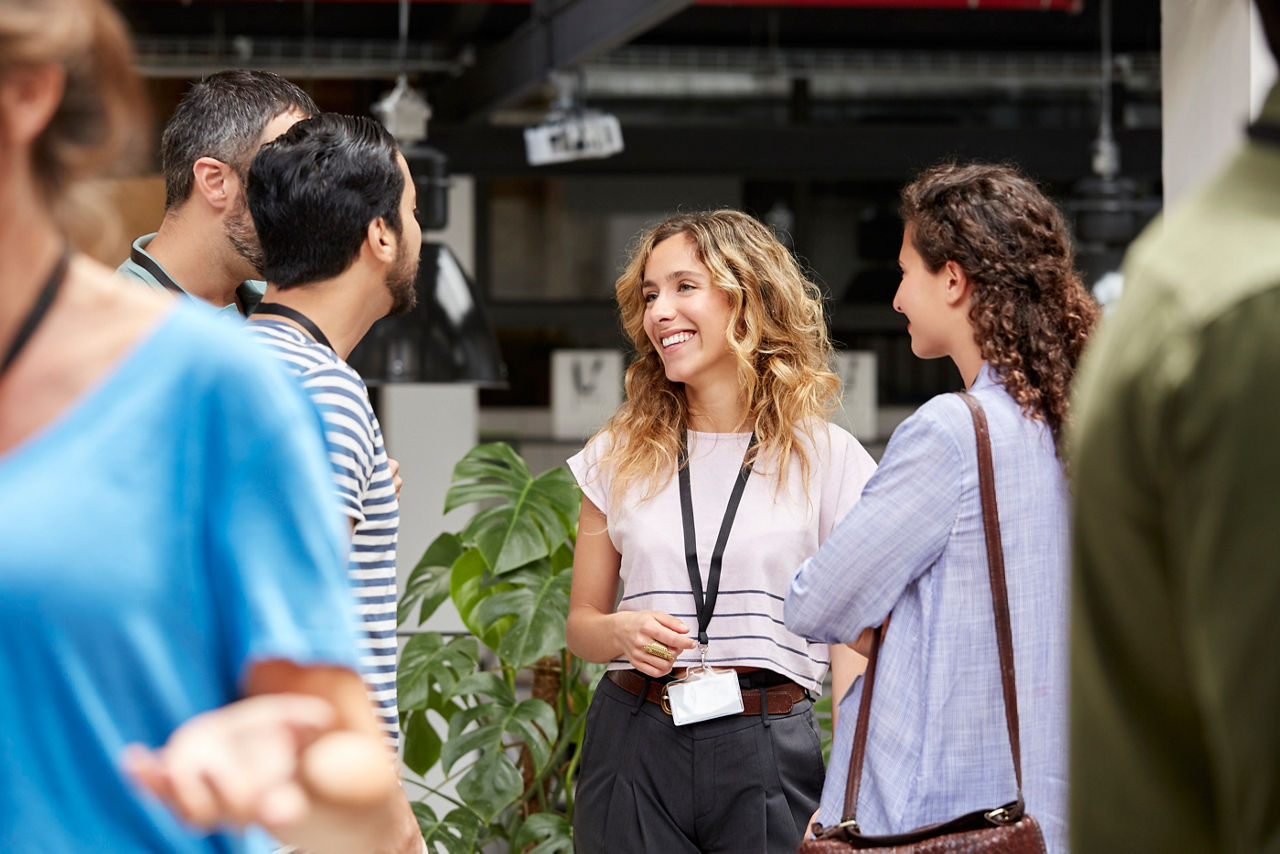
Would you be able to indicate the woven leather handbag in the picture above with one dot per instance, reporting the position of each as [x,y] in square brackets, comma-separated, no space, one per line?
[1006,829]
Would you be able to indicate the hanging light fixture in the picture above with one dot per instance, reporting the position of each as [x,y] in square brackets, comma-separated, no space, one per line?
[447,338]
[1107,208]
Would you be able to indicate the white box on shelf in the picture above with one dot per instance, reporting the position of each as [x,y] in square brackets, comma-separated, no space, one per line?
[857,410]
[586,388]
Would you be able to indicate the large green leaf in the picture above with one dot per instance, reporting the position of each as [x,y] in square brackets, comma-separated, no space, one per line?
[456,833]
[562,558]
[493,728]
[528,518]
[539,602]
[491,785]
[551,831]
[428,583]
[532,722]
[429,666]
[422,744]
[581,683]
[471,585]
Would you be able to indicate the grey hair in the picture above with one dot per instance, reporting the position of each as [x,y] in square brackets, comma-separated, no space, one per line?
[222,117]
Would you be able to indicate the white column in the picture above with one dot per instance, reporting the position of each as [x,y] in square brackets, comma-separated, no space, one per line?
[428,427]
[1215,69]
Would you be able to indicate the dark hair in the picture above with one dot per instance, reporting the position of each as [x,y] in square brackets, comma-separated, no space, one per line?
[223,117]
[314,191]
[1031,314]
[102,114]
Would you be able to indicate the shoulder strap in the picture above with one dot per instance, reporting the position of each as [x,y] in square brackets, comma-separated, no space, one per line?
[146,262]
[1004,631]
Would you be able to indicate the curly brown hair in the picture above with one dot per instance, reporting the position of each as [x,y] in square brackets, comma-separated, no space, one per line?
[777,332]
[1031,313]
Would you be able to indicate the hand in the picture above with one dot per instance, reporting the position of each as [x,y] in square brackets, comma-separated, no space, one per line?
[394,465]
[808,828]
[274,760]
[862,645]
[635,629]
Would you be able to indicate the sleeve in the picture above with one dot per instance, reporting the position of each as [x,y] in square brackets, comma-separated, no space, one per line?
[893,534]
[592,479]
[843,487]
[275,542]
[1175,594]
[349,434]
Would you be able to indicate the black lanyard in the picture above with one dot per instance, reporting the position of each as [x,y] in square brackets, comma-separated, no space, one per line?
[149,264]
[706,606]
[1263,132]
[38,311]
[297,317]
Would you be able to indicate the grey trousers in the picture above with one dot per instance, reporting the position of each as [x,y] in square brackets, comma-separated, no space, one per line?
[733,785]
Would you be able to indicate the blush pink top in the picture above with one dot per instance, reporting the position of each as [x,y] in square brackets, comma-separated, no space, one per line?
[773,533]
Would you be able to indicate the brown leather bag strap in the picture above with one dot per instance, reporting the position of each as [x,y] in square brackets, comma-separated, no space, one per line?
[999,590]
[1004,631]
[854,782]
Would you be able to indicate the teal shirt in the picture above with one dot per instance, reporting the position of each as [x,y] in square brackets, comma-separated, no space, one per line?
[1175,452]
[250,292]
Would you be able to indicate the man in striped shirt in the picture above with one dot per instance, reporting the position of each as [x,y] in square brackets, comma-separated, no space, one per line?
[334,207]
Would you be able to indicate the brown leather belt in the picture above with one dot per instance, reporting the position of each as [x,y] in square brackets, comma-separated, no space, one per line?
[779,698]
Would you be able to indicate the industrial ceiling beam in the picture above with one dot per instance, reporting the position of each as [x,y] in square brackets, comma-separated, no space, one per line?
[557,36]
[821,153]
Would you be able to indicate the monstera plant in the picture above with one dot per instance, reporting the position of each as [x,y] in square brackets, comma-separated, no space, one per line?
[511,761]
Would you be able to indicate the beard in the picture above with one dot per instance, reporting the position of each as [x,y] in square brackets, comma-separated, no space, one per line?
[242,236]
[401,279]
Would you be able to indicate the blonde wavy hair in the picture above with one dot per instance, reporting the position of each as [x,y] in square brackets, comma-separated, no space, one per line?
[101,126]
[777,332]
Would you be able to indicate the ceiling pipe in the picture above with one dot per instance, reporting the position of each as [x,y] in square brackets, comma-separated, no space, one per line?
[986,5]
[1007,5]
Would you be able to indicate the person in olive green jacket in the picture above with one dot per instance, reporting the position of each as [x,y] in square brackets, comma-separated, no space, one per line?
[1176,459]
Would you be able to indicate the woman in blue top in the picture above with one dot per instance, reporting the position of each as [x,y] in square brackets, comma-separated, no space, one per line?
[988,281]
[172,564]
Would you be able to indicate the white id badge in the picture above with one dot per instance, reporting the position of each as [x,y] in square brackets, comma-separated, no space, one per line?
[704,695]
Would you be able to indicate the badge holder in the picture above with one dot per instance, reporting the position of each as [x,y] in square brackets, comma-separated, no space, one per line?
[703,694]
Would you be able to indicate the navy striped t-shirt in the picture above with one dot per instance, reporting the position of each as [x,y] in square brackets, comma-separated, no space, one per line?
[366,492]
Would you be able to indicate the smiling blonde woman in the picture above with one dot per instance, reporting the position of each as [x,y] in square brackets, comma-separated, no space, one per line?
[712,482]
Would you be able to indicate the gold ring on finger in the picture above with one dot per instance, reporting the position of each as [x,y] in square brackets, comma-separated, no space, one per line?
[661,650]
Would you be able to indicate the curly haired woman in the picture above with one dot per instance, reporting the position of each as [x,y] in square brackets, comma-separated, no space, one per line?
[727,394]
[988,280]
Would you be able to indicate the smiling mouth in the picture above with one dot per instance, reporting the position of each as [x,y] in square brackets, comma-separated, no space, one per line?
[675,338]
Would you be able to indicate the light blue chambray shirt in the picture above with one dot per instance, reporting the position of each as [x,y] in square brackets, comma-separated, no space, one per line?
[913,545]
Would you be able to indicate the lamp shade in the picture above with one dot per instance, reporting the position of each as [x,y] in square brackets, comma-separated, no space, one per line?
[445,339]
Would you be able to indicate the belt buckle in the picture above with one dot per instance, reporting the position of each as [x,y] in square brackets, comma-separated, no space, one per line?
[664,702]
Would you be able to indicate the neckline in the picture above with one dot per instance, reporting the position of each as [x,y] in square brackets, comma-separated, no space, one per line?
[247,292]
[984,378]
[132,361]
